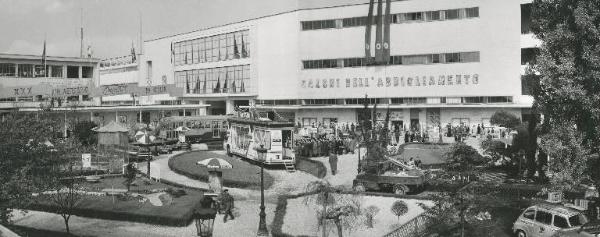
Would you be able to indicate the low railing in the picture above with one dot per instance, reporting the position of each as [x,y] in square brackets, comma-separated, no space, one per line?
[117,61]
[413,228]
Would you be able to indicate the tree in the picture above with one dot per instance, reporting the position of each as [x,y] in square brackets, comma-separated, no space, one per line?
[343,210]
[83,131]
[565,76]
[66,197]
[569,159]
[130,174]
[399,208]
[462,158]
[505,119]
[374,137]
[30,155]
[370,213]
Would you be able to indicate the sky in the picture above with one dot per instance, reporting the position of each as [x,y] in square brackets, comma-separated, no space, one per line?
[112,26]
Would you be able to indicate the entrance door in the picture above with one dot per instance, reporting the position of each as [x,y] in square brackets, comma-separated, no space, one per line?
[397,125]
[414,124]
[216,129]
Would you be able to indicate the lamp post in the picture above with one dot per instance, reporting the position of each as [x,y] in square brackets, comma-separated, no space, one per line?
[205,218]
[262,224]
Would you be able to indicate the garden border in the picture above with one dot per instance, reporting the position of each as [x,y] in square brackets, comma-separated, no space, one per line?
[281,208]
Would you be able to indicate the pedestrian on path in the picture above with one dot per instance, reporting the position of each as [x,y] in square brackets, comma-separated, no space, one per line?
[228,204]
[333,159]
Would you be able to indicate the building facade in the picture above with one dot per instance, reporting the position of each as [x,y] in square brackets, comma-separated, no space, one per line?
[451,62]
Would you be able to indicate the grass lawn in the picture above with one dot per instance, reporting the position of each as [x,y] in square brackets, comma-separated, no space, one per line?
[178,213]
[428,153]
[243,174]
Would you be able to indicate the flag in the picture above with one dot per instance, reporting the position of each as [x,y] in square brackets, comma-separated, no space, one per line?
[236,52]
[378,34]
[44,58]
[386,32]
[244,53]
[197,87]
[218,87]
[233,86]
[368,33]
[225,84]
[242,88]
[172,53]
[204,87]
[133,56]
[187,85]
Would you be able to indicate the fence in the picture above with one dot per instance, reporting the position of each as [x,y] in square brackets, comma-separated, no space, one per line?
[414,227]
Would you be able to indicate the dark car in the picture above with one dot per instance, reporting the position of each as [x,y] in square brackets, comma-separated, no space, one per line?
[590,229]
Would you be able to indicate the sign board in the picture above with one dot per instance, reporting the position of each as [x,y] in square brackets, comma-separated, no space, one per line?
[457,79]
[133,88]
[86,160]
[155,171]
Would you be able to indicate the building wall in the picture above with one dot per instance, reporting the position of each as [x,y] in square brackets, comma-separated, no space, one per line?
[493,34]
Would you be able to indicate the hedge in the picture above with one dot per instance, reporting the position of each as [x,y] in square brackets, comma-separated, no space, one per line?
[243,174]
[313,167]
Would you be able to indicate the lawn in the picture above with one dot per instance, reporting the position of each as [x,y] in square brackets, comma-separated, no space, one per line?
[429,154]
[243,174]
[177,213]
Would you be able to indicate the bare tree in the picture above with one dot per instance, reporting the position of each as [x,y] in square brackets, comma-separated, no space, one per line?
[370,213]
[343,210]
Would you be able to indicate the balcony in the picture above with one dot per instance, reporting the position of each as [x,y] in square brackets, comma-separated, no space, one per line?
[123,61]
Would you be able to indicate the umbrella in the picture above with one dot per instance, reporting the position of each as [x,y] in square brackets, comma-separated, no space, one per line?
[215,163]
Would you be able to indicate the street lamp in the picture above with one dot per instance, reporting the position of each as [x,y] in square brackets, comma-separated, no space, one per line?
[205,218]
[262,224]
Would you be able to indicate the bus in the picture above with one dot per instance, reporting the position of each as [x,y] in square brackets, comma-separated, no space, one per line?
[195,129]
[245,135]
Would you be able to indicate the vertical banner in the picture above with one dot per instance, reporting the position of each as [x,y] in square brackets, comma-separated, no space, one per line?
[378,34]
[369,26]
[386,32]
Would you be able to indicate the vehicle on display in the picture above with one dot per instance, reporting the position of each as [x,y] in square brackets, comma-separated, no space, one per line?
[246,134]
[395,176]
[549,220]
[590,229]
[195,129]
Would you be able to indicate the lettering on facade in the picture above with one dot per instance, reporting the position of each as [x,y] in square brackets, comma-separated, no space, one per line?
[410,81]
[22,91]
[70,91]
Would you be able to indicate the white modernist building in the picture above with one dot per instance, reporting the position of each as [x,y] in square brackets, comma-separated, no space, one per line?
[451,62]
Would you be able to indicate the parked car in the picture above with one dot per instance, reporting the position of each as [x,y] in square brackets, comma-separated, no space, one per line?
[590,229]
[548,220]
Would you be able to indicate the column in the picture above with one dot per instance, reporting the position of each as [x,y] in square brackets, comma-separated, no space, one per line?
[64,69]
[80,72]
[229,106]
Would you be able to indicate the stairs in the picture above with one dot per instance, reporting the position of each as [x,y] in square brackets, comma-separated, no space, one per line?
[290,167]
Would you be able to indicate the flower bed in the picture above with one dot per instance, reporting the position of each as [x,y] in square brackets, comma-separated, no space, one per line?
[243,174]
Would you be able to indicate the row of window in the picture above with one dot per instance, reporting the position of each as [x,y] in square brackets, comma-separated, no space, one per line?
[440,15]
[233,79]
[214,48]
[461,57]
[32,70]
[398,100]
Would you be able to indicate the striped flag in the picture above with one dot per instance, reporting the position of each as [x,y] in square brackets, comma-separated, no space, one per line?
[386,32]
[378,34]
[44,59]
[368,33]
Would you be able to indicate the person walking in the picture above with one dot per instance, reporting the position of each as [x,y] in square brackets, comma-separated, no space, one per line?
[228,205]
[333,159]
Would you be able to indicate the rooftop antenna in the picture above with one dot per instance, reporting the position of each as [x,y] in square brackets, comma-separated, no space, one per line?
[81,45]
[141,51]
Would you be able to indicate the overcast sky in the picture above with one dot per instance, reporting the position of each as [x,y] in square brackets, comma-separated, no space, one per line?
[110,26]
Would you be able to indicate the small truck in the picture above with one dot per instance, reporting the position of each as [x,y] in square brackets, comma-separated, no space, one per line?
[396,176]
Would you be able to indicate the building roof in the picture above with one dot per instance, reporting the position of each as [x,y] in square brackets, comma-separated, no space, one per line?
[301,7]
[48,58]
[112,127]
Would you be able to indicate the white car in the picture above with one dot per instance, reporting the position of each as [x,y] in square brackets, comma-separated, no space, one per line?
[548,220]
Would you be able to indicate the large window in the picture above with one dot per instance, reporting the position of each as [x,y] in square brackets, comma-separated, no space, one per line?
[25,70]
[7,70]
[528,55]
[56,71]
[397,18]
[214,48]
[234,79]
[459,57]
[526,18]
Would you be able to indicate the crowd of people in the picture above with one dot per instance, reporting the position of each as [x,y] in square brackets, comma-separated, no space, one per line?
[323,145]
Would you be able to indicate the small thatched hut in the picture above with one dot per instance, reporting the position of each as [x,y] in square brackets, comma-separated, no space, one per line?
[113,134]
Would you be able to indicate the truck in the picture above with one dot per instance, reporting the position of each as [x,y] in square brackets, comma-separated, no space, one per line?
[393,175]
